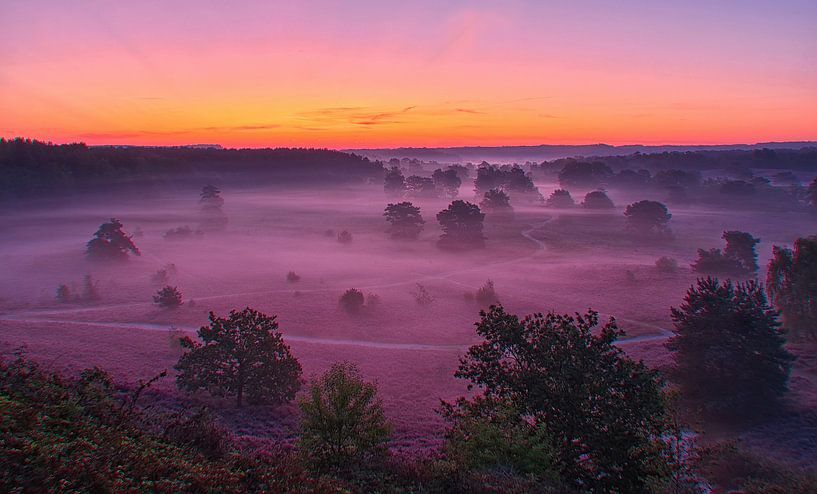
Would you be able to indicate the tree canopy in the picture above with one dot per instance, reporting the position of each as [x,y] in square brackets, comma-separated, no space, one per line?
[728,348]
[738,258]
[603,411]
[648,218]
[462,224]
[241,354]
[405,219]
[110,243]
[791,280]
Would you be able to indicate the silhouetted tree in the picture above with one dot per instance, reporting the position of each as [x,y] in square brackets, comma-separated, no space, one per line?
[168,297]
[110,243]
[666,264]
[791,280]
[486,294]
[394,184]
[447,181]
[738,258]
[352,300]
[242,354]
[406,221]
[342,422]
[560,198]
[812,192]
[211,207]
[603,412]
[728,348]
[418,186]
[344,237]
[63,294]
[597,200]
[90,290]
[462,224]
[648,218]
[496,201]
[292,277]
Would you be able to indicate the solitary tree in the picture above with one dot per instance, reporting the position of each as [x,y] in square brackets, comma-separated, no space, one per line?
[352,300]
[496,201]
[597,200]
[812,192]
[648,218]
[791,280]
[604,412]
[343,421]
[211,204]
[728,348]
[406,221]
[394,183]
[447,181]
[462,224]
[168,297]
[242,354]
[110,243]
[560,198]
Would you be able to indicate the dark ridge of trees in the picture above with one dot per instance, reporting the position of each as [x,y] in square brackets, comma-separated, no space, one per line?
[791,280]
[405,219]
[31,167]
[447,181]
[462,224]
[510,179]
[110,243]
[394,183]
[243,353]
[584,174]
[649,218]
[597,200]
[595,416]
[560,198]
[677,178]
[496,201]
[729,348]
[739,258]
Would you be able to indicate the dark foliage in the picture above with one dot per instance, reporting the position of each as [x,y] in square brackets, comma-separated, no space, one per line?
[242,354]
[486,294]
[417,186]
[812,193]
[603,411]
[448,181]
[110,243]
[791,280]
[666,264]
[292,277]
[406,220]
[738,258]
[64,294]
[462,224]
[649,218]
[511,179]
[584,174]
[344,237]
[728,348]
[394,184]
[496,201]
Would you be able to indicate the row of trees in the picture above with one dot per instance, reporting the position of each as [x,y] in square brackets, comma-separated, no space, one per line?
[597,199]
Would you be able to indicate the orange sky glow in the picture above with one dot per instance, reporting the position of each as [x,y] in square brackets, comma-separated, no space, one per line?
[386,74]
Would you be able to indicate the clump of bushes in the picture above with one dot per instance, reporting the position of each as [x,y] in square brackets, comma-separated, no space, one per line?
[292,277]
[597,200]
[486,294]
[163,275]
[89,294]
[168,297]
[352,300]
[666,264]
[560,198]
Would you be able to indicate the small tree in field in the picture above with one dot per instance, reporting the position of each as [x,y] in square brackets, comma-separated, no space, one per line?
[242,354]
[648,218]
[406,221]
[728,348]
[110,243]
[560,198]
[168,297]
[597,200]
[496,201]
[63,293]
[352,300]
[343,422]
[344,237]
[791,280]
[738,258]
[462,224]
[573,394]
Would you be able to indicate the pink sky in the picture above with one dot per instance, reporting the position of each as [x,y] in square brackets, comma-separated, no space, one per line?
[375,74]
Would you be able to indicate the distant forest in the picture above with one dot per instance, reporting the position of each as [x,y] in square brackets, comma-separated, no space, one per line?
[29,167]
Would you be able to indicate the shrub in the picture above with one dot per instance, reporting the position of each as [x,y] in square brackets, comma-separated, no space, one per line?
[422,296]
[666,264]
[292,277]
[486,294]
[597,200]
[244,353]
[648,218]
[63,294]
[560,198]
[90,290]
[343,422]
[344,237]
[729,349]
[110,243]
[168,297]
[372,300]
[352,300]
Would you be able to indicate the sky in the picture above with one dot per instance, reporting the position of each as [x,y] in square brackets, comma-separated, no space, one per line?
[381,73]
